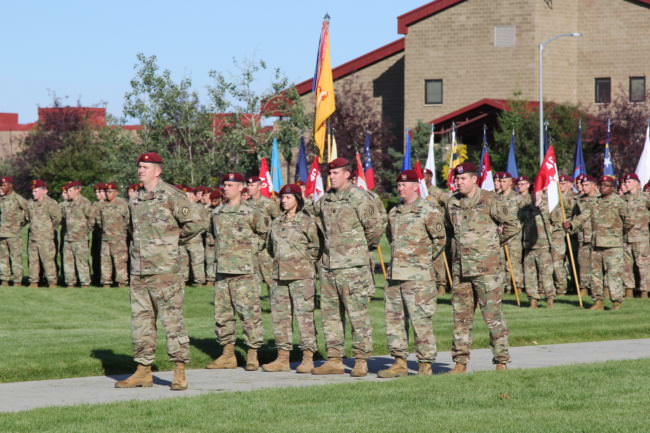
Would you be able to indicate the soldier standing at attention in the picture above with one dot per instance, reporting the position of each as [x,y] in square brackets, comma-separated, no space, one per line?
[417,236]
[637,242]
[132,191]
[206,199]
[513,202]
[13,216]
[352,227]
[194,251]
[44,218]
[474,217]
[584,203]
[79,218]
[610,222]
[114,221]
[294,246]
[161,221]
[558,237]
[270,210]
[523,188]
[240,232]
[96,243]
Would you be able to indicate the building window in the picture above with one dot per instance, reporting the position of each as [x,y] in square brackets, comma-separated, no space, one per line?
[505,36]
[603,90]
[637,89]
[433,91]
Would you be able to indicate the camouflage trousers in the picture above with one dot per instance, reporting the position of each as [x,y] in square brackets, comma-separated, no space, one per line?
[559,255]
[75,262]
[414,303]
[637,253]
[299,296]
[265,267]
[154,296]
[114,256]
[11,259]
[584,262]
[607,266]
[193,258]
[439,272]
[346,291]
[238,296]
[515,251]
[42,255]
[210,264]
[486,291]
[538,271]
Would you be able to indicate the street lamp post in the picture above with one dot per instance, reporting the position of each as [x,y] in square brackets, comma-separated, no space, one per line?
[541,93]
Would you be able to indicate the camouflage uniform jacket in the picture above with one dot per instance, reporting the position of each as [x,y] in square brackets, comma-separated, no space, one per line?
[204,214]
[13,215]
[267,206]
[114,219]
[308,206]
[638,205]
[583,205]
[44,218]
[474,222]
[570,209]
[79,219]
[437,195]
[240,233]
[209,237]
[161,220]
[351,225]
[609,221]
[294,245]
[97,210]
[513,202]
[537,224]
[417,236]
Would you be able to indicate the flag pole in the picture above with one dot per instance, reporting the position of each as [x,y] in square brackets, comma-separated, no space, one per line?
[444,258]
[512,274]
[568,241]
[381,262]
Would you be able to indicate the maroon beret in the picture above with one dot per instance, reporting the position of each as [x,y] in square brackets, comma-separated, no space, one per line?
[581,177]
[134,186]
[202,189]
[233,177]
[291,188]
[38,183]
[465,167]
[408,176]
[523,178]
[631,176]
[338,163]
[252,179]
[74,184]
[588,178]
[646,187]
[502,175]
[427,171]
[216,194]
[244,190]
[300,183]
[565,178]
[111,185]
[151,157]
[6,179]
[100,186]
[607,178]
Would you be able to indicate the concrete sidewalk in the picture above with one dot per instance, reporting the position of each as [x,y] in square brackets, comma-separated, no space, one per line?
[20,396]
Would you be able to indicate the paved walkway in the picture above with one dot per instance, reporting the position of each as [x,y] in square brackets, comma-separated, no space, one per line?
[20,396]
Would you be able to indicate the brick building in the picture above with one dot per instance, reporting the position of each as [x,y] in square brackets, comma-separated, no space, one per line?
[460,60]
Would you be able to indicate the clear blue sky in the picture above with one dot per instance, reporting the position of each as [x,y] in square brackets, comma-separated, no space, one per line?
[85,50]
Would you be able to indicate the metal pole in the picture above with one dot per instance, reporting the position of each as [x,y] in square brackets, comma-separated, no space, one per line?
[541,105]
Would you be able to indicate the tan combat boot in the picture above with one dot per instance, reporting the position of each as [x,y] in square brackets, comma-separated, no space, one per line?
[398,369]
[533,303]
[51,285]
[501,367]
[549,303]
[141,377]
[179,382]
[331,366]
[252,364]
[458,369]
[606,293]
[629,293]
[616,306]
[226,360]
[307,364]
[424,369]
[644,295]
[441,290]
[598,305]
[281,363]
[360,368]
[106,285]
[33,285]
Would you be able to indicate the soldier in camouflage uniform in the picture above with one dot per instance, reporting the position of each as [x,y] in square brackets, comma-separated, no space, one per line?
[439,197]
[44,218]
[474,217]
[416,232]
[269,209]
[294,246]
[352,227]
[537,230]
[523,188]
[583,204]
[96,243]
[637,242]
[240,232]
[558,237]
[513,202]
[610,221]
[194,252]
[114,220]
[211,199]
[13,216]
[161,221]
[78,218]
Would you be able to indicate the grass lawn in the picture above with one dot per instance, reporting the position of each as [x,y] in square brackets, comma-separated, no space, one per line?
[607,397]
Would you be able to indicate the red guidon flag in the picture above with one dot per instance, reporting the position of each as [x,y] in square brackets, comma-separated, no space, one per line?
[361,177]
[314,185]
[424,192]
[547,179]
[265,177]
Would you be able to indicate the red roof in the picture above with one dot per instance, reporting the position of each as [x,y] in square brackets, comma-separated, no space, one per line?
[499,104]
[412,17]
[474,112]
[359,63]
[9,122]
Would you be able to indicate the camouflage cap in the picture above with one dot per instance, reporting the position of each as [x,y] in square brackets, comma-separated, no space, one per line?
[291,188]
[151,157]
[465,167]
[408,176]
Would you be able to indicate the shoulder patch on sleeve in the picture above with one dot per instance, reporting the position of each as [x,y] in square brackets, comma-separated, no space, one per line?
[185,211]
